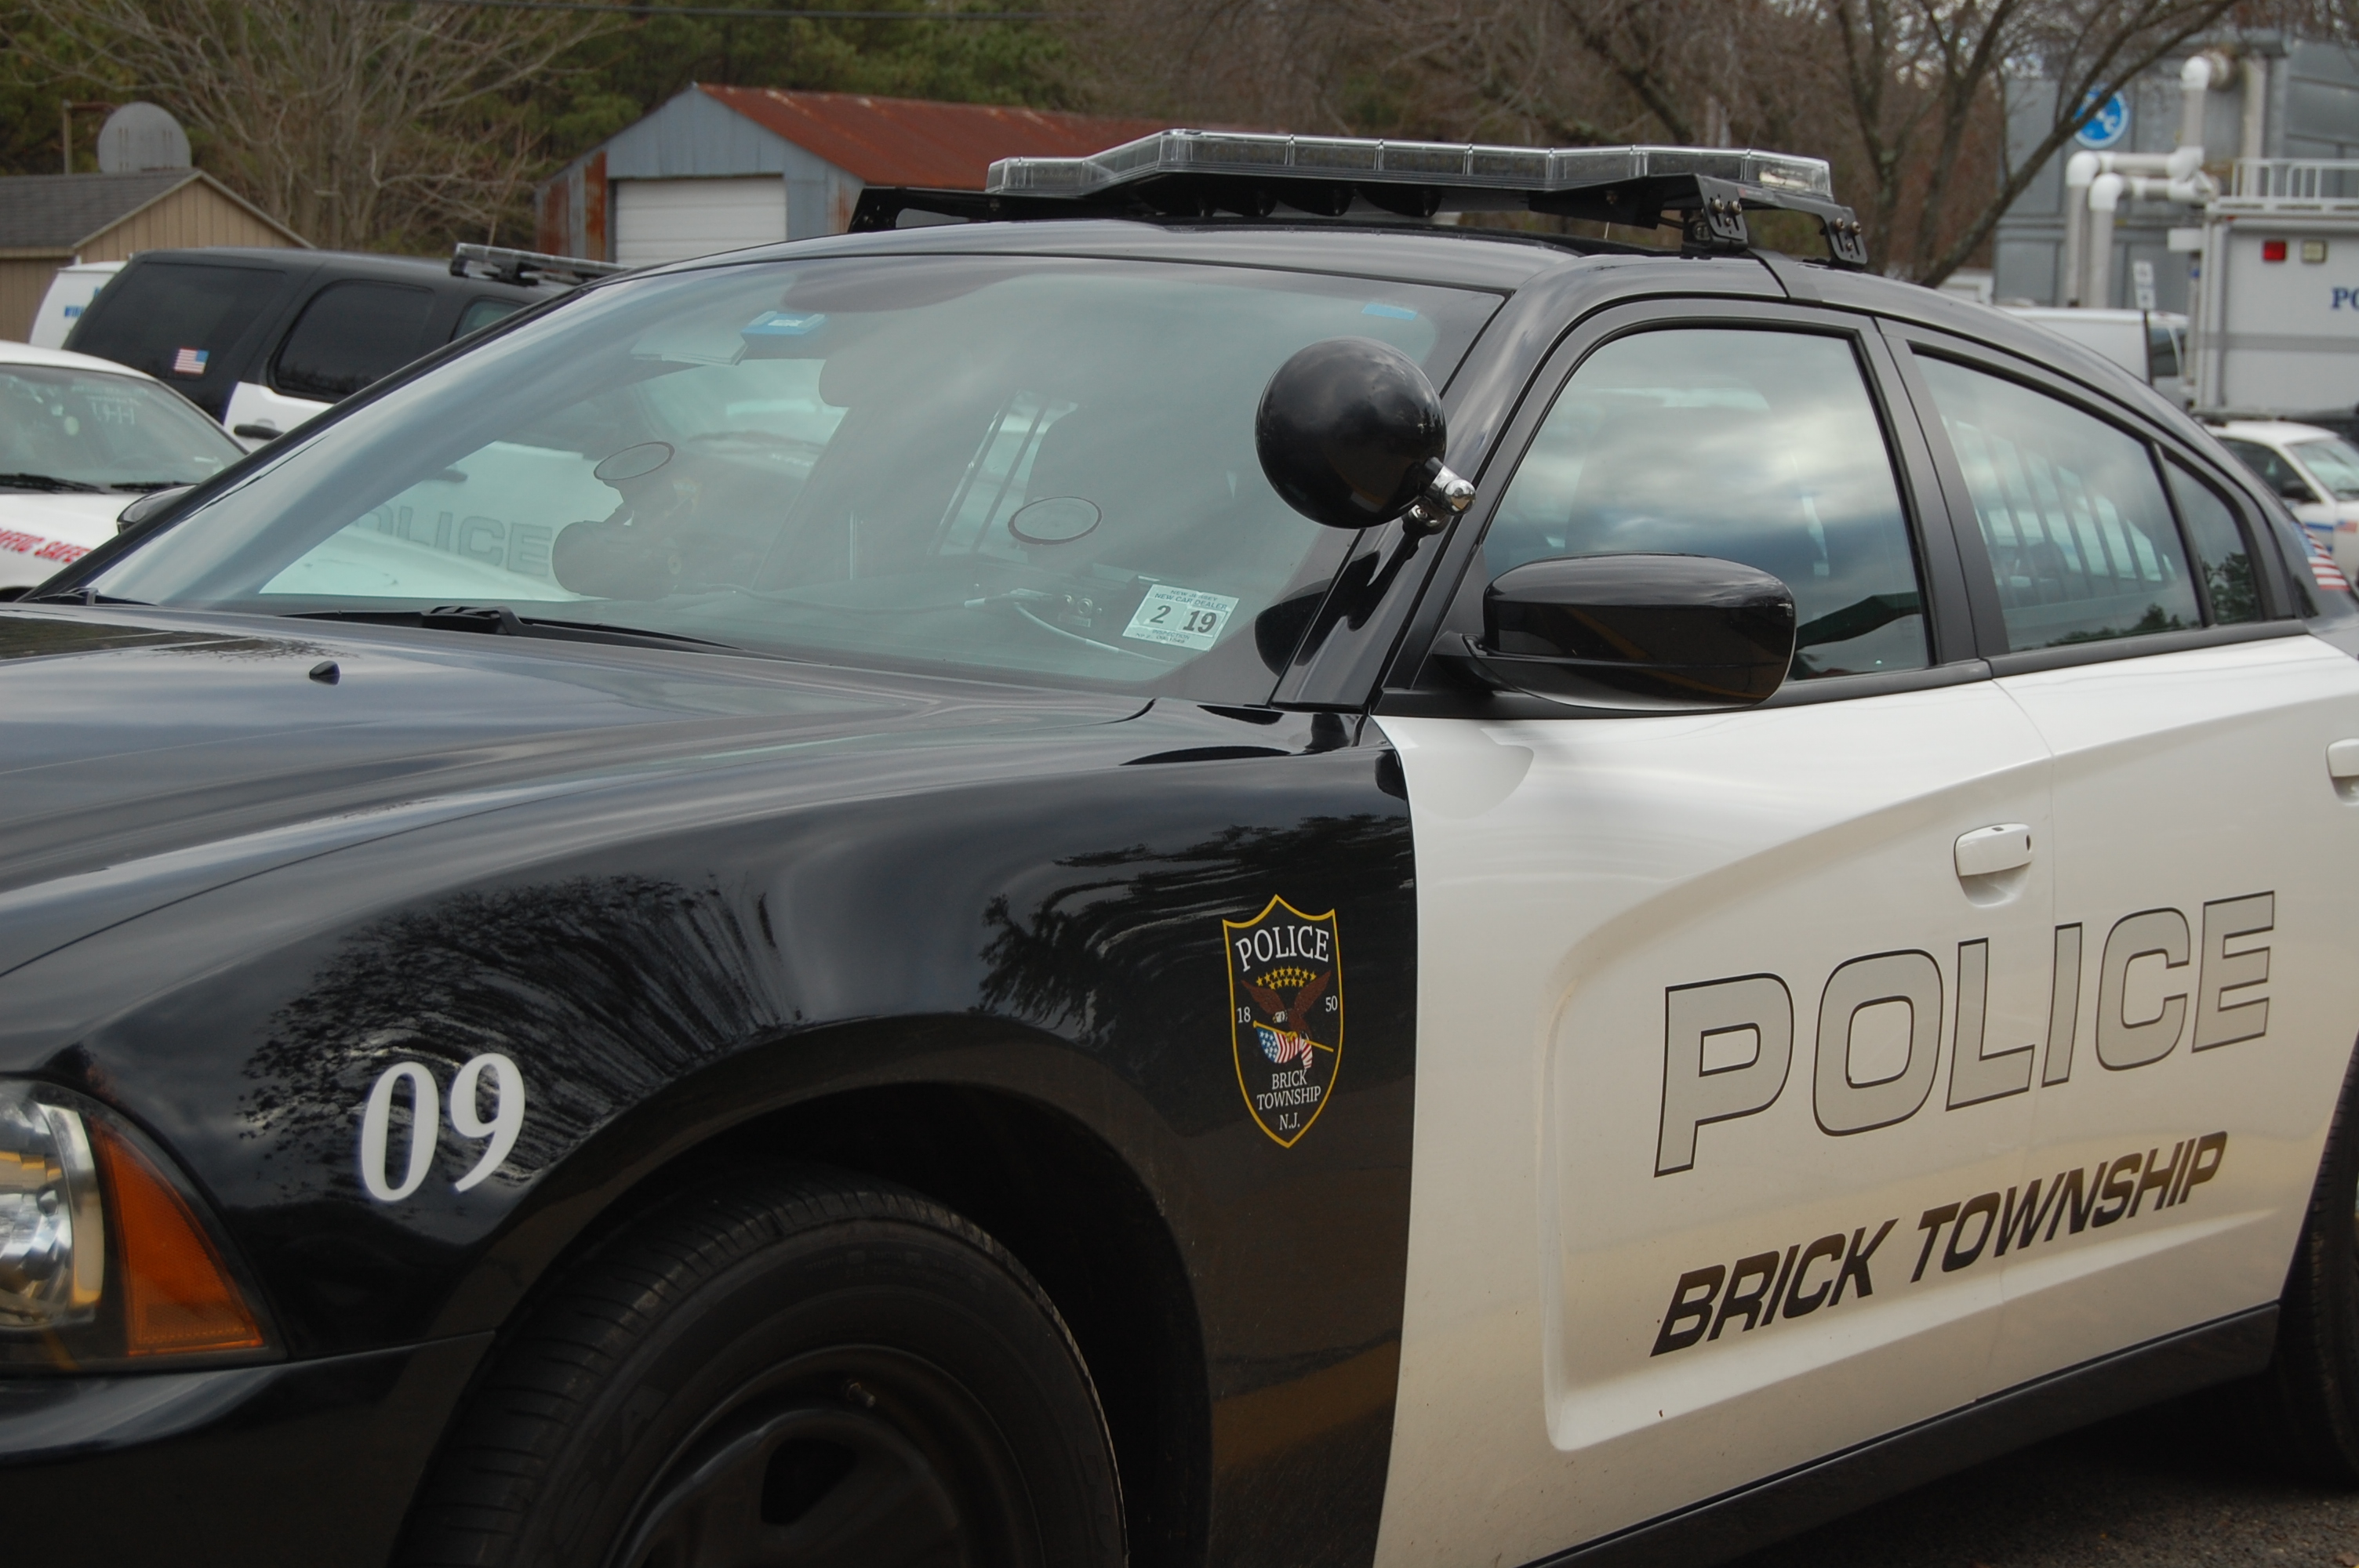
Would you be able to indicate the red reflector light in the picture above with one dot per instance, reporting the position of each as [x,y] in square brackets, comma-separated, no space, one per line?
[2273,250]
[175,1293]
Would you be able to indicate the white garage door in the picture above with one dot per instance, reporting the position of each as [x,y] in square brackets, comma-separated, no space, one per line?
[670,220]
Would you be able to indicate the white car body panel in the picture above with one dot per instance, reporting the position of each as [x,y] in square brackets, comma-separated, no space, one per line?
[251,403]
[2185,779]
[40,534]
[1570,873]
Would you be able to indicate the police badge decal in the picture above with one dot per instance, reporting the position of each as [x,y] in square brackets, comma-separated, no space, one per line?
[1286,1015]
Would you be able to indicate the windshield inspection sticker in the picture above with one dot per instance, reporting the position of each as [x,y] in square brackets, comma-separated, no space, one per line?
[1181,617]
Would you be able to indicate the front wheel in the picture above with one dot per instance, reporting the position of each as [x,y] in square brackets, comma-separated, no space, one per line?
[2311,1392]
[811,1370]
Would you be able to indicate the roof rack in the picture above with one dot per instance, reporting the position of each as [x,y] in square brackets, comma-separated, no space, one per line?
[504,266]
[1201,173]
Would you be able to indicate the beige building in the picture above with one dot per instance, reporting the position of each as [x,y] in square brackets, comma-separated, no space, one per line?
[47,221]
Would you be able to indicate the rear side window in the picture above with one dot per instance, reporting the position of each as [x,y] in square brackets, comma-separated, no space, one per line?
[1755,446]
[2226,558]
[349,335]
[481,313]
[2161,349]
[2080,538]
[178,321]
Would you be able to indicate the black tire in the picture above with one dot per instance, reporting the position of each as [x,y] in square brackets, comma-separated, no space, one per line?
[2310,1395]
[806,1369]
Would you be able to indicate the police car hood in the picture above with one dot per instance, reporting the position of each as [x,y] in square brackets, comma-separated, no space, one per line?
[152,755]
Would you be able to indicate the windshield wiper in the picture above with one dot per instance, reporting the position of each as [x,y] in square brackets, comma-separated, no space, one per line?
[50,482]
[147,486]
[498,620]
[83,596]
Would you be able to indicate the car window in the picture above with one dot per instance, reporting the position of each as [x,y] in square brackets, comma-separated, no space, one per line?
[2162,350]
[1755,446]
[178,321]
[1041,467]
[2273,469]
[109,430]
[350,334]
[2219,548]
[2332,462]
[2081,541]
[482,313]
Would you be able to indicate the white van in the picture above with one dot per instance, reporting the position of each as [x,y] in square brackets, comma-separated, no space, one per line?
[2149,344]
[69,295]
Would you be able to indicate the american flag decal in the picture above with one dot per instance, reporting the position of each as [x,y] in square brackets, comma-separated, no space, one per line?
[2322,568]
[190,362]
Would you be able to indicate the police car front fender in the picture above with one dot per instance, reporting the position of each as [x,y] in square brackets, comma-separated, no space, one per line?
[412,1073]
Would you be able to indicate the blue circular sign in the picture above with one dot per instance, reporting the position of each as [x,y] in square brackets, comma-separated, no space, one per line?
[2108,125]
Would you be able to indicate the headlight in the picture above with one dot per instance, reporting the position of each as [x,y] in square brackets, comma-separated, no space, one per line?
[105,1257]
[53,1225]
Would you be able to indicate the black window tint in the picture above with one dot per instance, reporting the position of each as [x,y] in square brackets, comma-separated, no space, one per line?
[2161,349]
[2080,539]
[1758,446]
[482,313]
[2219,548]
[178,321]
[2274,471]
[350,335]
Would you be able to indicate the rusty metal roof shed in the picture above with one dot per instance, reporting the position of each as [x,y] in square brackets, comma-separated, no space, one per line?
[826,146]
[913,141]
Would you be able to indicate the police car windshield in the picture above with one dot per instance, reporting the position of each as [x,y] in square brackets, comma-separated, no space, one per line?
[2333,463]
[1019,465]
[78,430]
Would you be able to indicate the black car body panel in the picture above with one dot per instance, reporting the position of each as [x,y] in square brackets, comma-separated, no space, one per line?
[685,895]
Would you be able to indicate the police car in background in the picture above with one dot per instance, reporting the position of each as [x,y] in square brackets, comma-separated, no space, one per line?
[2314,470]
[1198,874]
[81,439]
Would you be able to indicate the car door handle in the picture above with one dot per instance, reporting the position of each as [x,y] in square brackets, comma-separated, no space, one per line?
[1986,851]
[2342,768]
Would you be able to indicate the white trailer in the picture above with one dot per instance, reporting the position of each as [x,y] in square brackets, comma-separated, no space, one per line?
[2276,307]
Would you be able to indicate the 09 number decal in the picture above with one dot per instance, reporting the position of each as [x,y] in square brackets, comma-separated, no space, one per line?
[467,1119]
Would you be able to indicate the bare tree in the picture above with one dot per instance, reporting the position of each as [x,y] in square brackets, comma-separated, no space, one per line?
[1916,75]
[354,121]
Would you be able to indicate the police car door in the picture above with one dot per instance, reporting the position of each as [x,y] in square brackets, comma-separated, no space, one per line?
[2206,1000]
[1712,1008]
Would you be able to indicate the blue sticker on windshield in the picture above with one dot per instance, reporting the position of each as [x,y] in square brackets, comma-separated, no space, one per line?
[783,324]
[1389,312]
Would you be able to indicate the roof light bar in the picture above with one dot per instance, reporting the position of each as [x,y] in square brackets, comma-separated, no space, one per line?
[1456,166]
[1705,191]
[504,265]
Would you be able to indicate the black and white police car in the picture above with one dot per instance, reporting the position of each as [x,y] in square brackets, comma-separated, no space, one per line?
[1213,872]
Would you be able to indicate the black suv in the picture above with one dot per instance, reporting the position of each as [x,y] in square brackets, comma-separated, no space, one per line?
[262,340]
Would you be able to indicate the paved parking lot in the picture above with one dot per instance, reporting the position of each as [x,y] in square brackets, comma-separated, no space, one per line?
[2165,1489]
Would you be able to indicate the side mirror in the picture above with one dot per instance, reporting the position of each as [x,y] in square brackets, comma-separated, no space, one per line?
[1351,433]
[147,508]
[1643,634]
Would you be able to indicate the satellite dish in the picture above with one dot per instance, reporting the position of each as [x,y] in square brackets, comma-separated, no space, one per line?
[138,136]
